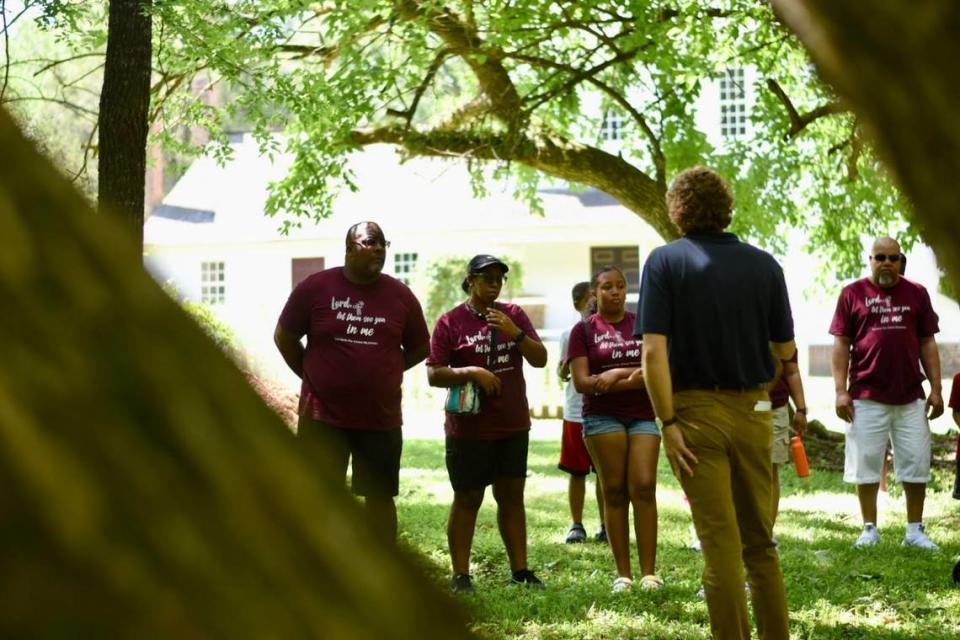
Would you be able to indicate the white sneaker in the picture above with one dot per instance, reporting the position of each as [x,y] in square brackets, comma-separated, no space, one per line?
[622,584]
[920,539]
[868,537]
[694,540]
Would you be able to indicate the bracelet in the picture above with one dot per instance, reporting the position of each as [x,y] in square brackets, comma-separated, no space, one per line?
[802,410]
[520,337]
[667,423]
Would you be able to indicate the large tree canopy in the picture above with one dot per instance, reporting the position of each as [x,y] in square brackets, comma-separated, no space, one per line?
[523,85]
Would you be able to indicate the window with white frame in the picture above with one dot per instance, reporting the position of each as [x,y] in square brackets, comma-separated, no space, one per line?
[614,125]
[733,104]
[213,285]
[403,266]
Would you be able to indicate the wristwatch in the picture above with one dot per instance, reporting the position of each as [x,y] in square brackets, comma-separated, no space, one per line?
[520,337]
[802,410]
[661,424]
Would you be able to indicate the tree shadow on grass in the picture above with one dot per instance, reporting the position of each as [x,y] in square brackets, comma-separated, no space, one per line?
[833,591]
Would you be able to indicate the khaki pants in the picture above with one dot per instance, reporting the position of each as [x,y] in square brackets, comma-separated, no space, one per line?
[731,496]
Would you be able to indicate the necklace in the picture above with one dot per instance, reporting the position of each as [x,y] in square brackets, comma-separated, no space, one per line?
[480,314]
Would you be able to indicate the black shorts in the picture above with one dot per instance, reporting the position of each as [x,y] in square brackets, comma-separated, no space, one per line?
[473,464]
[375,454]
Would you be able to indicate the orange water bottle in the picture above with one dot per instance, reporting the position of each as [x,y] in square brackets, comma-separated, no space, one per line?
[799,457]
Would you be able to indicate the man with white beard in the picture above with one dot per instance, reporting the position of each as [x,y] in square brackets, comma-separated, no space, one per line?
[883,332]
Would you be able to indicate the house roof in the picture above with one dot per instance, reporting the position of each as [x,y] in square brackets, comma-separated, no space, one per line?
[184,214]
[224,204]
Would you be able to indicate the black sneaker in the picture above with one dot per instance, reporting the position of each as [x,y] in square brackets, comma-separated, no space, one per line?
[601,535]
[576,533]
[461,583]
[527,577]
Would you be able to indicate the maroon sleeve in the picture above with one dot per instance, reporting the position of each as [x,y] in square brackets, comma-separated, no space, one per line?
[840,326]
[295,317]
[929,323]
[955,394]
[578,342]
[440,345]
[415,332]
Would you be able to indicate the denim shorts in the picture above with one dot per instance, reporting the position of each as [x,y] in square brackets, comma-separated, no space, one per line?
[594,425]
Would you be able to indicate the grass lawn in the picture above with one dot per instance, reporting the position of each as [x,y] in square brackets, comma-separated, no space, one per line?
[833,590]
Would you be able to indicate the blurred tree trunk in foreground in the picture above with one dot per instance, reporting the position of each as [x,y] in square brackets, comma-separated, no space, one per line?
[145,489]
[896,65]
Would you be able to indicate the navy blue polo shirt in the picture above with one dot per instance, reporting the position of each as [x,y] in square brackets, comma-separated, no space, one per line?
[720,302]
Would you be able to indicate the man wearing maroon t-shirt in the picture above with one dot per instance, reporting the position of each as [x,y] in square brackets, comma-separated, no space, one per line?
[883,331]
[364,329]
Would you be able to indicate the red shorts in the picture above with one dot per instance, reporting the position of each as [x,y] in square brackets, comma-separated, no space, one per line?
[574,457]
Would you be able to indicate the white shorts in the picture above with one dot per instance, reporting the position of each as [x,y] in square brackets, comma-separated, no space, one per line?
[780,454]
[874,424]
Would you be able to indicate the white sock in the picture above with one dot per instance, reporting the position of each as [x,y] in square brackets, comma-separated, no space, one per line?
[871,525]
[913,528]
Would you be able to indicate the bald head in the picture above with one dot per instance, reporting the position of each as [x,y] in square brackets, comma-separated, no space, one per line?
[362,230]
[886,245]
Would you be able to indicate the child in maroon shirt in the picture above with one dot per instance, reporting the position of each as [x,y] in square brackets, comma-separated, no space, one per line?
[618,424]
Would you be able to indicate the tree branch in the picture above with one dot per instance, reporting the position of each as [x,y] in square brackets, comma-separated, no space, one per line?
[665,15]
[165,87]
[553,156]
[27,5]
[87,148]
[65,84]
[578,76]
[798,122]
[464,41]
[408,113]
[66,103]
[856,149]
[79,56]
[656,150]
[471,110]
[6,50]
[303,51]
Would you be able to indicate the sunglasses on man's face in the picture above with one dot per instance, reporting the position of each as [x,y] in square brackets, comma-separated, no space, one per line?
[372,243]
[882,257]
